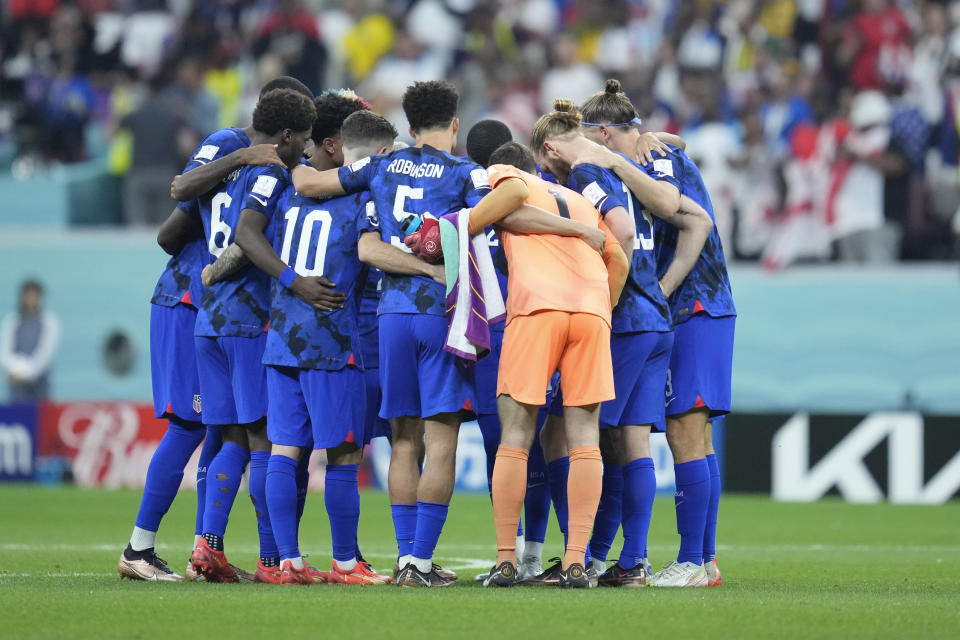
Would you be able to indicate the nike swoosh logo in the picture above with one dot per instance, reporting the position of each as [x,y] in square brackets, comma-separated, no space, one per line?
[258,200]
[669,401]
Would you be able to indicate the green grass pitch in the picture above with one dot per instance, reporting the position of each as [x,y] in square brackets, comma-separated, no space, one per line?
[822,570]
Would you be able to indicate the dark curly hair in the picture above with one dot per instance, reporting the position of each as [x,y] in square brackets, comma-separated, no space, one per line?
[333,107]
[283,109]
[430,105]
[515,155]
[286,82]
[484,138]
[365,128]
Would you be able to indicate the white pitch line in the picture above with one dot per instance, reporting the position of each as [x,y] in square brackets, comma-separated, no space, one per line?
[380,552]
[75,574]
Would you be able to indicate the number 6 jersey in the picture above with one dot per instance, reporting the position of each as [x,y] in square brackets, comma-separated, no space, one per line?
[239,305]
[318,238]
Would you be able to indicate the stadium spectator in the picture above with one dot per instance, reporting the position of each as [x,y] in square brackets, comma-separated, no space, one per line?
[66,70]
[161,142]
[28,341]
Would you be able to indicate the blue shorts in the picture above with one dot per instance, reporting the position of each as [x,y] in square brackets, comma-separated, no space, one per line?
[173,362]
[485,397]
[554,403]
[417,377]
[373,425]
[701,365]
[315,408]
[640,363]
[233,378]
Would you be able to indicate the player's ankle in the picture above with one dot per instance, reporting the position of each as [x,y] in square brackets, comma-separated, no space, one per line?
[423,565]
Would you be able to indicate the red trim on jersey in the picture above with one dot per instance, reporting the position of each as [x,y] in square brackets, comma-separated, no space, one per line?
[699,403]
[186,298]
[351,361]
[169,407]
[267,328]
[467,406]
[350,437]
[697,307]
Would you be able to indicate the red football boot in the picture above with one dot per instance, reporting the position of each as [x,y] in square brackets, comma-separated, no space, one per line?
[362,573]
[212,564]
[267,575]
[291,575]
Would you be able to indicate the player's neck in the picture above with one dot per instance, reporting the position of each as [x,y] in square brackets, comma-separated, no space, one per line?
[438,139]
[259,137]
[250,131]
[627,144]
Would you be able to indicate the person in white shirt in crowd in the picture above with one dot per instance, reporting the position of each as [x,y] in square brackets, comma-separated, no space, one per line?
[28,341]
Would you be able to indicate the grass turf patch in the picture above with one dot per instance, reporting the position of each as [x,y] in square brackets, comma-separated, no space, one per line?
[821,570]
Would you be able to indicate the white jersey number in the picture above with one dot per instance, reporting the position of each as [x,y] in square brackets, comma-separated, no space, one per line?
[316,216]
[641,241]
[218,228]
[404,192]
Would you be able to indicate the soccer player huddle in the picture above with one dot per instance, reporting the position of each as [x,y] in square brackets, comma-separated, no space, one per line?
[328,285]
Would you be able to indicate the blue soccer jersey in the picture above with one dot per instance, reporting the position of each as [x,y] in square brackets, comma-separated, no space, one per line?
[182,273]
[707,286]
[240,305]
[642,305]
[180,280]
[414,181]
[367,318]
[319,238]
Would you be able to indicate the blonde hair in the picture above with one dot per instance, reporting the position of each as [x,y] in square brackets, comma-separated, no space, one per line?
[564,119]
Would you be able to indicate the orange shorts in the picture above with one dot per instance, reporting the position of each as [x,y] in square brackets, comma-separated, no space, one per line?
[575,344]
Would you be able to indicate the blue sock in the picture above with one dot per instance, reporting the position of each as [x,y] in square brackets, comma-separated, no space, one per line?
[223,481]
[259,460]
[166,472]
[557,471]
[710,531]
[303,481]
[404,526]
[607,522]
[639,490]
[490,430]
[281,492]
[693,494]
[536,504]
[342,499]
[430,519]
[211,446]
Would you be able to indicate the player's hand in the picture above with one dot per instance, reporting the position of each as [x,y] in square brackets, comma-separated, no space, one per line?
[173,186]
[647,145]
[594,237]
[595,154]
[260,154]
[438,273]
[318,292]
[206,276]
[666,290]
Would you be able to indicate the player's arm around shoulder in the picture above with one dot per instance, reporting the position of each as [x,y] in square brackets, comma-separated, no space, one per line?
[317,184]
[372,250]
[214,159]
[509,192]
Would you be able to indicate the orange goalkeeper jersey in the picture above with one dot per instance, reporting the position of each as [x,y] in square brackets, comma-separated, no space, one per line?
[550,272]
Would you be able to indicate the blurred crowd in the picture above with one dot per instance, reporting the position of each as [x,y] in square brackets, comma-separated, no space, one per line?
[824,129]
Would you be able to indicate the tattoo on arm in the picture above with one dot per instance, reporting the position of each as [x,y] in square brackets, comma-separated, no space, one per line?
[230,262]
